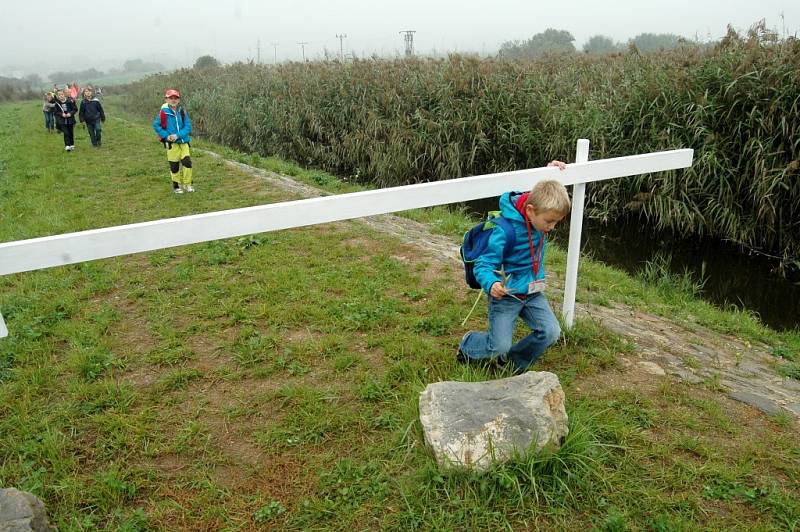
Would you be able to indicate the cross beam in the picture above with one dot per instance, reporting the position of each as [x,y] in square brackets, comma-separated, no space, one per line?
[82,246]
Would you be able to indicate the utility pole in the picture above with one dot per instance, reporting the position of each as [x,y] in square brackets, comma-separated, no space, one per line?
[408,37]
[341,48]
[275,56]
[303,49]
[258,52]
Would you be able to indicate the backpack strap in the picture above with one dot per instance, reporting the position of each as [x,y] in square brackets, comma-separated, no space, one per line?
[511,236]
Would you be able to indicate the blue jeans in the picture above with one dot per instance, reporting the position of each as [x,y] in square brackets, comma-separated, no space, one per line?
[49,121]
[95,129]
[535,312]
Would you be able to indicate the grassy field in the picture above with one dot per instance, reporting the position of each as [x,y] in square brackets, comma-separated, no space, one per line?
[272,381]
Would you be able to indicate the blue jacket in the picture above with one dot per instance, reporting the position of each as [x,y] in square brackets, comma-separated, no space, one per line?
[168,122]
[518,264]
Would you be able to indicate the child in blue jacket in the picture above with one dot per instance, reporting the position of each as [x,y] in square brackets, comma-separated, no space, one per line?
[515,283]
[172,125]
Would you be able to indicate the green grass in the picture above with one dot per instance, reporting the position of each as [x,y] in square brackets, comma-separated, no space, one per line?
[272,381]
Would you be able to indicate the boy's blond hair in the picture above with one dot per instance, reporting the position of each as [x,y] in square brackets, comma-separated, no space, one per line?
[549,195]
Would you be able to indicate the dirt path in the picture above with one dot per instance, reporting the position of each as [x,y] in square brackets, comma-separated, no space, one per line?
[741,369]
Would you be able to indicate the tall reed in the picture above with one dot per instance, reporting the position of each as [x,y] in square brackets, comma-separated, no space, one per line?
[393,122]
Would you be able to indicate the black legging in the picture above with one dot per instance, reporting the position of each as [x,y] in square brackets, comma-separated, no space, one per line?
[69,136]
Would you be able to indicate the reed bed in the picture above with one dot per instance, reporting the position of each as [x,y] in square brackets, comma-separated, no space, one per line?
[395,122]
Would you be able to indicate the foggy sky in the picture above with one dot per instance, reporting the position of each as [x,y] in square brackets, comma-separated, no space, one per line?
[48,35]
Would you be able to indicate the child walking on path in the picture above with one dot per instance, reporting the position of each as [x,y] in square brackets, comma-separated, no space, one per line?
[48,106]
[65,118]
[172,125]
[515,283]
[91,112]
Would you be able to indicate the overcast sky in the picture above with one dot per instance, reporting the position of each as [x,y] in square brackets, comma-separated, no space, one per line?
[42,36]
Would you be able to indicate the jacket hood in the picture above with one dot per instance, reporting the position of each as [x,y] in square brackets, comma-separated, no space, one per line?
[508,207]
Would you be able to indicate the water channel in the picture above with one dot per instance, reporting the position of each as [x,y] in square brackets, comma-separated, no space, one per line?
[731,276]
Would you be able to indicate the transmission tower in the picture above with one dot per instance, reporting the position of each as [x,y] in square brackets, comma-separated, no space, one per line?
[408,37]
[341,47]
[303,48]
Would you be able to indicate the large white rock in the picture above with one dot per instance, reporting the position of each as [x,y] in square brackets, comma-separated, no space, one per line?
[21,511]
[476,424]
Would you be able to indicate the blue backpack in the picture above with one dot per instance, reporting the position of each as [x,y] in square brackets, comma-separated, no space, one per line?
[476,240]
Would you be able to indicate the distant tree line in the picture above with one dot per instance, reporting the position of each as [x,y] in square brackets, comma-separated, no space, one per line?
[554,42]
[68,77]
[132,66]
[19,89]
[31,86]
[206,61]
[550,41]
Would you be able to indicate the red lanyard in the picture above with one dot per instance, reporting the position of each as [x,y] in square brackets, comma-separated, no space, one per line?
[535,258]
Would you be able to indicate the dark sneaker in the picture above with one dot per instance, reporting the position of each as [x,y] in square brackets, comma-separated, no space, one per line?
[462,357]
[504,364]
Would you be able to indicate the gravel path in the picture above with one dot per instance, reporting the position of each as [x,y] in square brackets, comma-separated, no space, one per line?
[743,370]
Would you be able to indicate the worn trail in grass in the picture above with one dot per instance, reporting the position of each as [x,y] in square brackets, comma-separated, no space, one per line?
[271,381]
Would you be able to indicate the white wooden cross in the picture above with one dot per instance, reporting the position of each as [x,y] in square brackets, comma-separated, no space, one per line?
[82,246]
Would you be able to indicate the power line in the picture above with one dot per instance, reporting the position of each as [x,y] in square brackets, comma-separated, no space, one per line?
[341,48]
[408,37]
[303,49]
